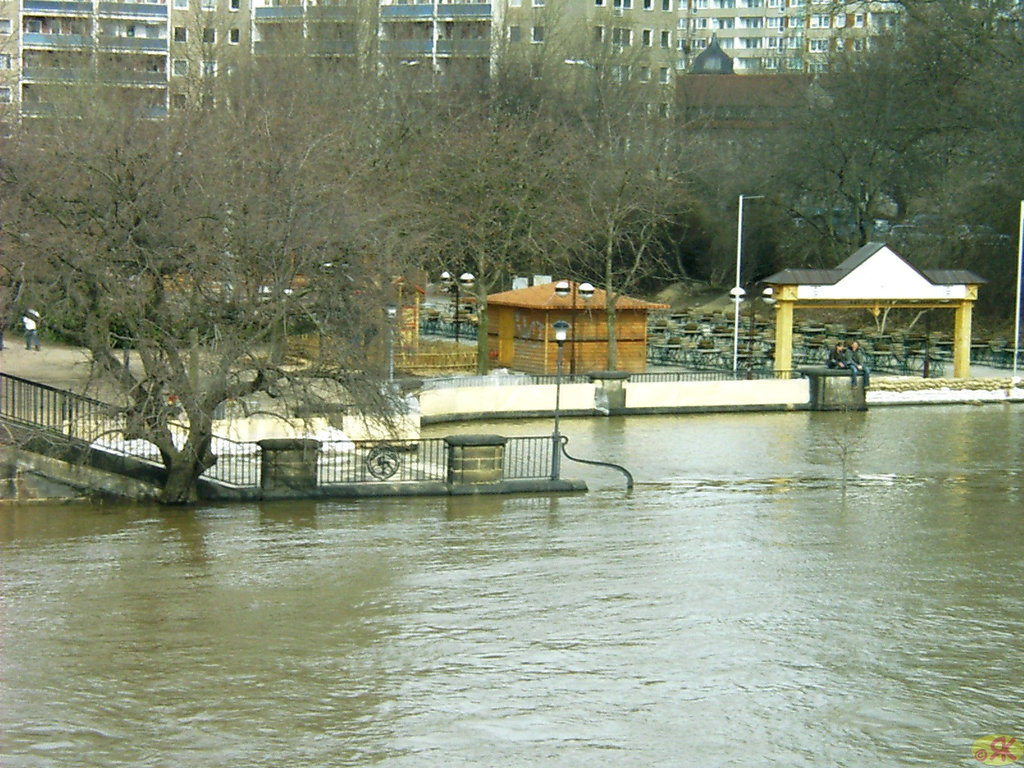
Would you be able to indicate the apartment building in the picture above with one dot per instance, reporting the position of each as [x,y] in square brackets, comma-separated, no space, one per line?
[781,35]
[164,51]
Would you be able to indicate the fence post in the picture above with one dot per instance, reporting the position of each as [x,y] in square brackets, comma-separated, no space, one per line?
[475,460]
[288,467]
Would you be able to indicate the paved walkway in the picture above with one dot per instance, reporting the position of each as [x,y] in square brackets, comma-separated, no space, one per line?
[57,365]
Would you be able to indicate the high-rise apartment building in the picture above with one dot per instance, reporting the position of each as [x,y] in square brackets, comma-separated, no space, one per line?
[164,50]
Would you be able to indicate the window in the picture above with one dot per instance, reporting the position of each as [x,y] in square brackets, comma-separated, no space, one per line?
[210,67]
[726,42]
[819,21]
[664,109]
[537,34]
[622,36]
[538,3]
[648,5]
[34,26]
[724,23]
[5,26]
[700,5]
[598,34]
[858,45]
[599,3]
[753,22]
[663,75]
[234,36]
[178,100]
[181,4]
[817,46]
[233,5]
[180,35]
[209,35]
[515,34]
[723,4]
[858,20]
[645,74]
[5,61]
[536,70]
[839,21]
[666,39]
[666,5]
[179,67]
[208,5]
[645,37]
[751,42]
[774,23]
[5,95]
[700,23]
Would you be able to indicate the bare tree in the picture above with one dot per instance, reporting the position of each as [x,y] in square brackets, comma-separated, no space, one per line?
[202,242]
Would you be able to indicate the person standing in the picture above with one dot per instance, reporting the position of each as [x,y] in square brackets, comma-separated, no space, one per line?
[31,323]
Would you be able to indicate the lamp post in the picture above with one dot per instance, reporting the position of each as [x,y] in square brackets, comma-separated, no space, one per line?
[561,334]
[737,292]
[1016,321]
[563,288]
[451,284]
[392,312]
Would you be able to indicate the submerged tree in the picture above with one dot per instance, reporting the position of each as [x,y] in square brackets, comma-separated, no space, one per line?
[202,242]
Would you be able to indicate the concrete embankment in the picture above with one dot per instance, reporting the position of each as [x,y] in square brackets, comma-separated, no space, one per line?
[903,390]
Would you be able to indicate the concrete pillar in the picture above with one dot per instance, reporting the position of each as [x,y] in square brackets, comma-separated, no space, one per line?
[609,390]
[475,459]
[783,335]
[962,341]
[831,390]
[288,467]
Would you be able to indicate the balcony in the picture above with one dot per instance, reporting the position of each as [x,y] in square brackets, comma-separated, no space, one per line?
[278,13]
[464,11]
[407,47]
[332,47]
[464,47]
[133,10]
[148,44]
[55,74]
[405,12]
[58,7]
[128,77]
[60,42]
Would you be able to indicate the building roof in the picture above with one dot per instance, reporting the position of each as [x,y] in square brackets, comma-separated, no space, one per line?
[859,257]
[712,60]
[544,297]
[743,92]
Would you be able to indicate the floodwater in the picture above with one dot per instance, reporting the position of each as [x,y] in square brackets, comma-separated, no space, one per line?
[742,606]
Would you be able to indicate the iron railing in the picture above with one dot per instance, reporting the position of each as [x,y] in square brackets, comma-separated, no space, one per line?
[59,413]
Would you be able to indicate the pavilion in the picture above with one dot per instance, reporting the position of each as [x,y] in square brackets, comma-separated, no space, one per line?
[875,278]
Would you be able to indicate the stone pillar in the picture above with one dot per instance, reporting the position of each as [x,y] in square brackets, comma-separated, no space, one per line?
[288,467]
[475,459]
[609,390]
[831,390]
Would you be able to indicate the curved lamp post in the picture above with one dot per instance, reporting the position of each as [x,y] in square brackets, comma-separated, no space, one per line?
[561,329]
[465,280]
[563,288]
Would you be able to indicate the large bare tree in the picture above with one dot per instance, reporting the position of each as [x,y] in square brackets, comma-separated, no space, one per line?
[202,242]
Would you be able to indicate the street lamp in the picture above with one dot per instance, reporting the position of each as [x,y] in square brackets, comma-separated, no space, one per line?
[451,284]
[1016,321]
[561,334]
[737,292]
[392,312]
[563,288]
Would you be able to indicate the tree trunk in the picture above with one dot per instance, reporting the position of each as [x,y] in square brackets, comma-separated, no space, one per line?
[180,487]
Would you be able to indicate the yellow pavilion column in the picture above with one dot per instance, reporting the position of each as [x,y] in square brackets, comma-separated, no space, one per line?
[783,334]
[962,340]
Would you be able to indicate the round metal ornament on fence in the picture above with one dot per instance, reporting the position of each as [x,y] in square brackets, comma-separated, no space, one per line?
[382,462]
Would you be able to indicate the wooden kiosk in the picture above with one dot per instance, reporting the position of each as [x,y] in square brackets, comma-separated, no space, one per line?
[875,278]
[520,334]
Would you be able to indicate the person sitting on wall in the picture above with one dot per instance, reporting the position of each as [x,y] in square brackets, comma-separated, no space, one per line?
[837,359]
[857,363]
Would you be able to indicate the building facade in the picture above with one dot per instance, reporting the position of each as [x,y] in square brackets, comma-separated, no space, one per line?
[162,51]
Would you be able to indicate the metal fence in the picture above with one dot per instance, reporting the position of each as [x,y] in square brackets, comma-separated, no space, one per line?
[67,416]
